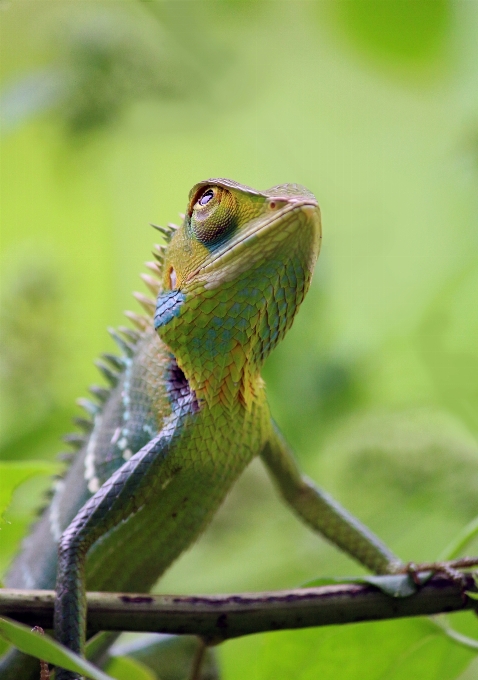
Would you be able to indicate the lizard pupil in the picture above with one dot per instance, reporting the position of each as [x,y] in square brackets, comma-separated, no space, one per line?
[206,197]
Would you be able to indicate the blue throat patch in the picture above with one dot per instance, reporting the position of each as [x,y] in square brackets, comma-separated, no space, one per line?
[168,305]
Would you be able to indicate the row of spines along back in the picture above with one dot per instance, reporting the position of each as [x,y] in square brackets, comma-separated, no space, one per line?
[111,365]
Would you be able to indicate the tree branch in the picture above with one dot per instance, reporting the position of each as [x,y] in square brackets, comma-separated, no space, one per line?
[218,617]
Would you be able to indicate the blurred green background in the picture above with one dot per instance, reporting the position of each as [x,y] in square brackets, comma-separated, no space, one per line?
[110,112]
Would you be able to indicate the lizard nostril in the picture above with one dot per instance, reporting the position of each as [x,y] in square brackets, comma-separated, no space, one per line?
[277,203]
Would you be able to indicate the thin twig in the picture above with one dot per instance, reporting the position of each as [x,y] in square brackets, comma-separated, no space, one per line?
[44,670]
[198,660]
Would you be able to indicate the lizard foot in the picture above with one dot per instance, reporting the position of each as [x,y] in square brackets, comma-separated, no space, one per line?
[452,569]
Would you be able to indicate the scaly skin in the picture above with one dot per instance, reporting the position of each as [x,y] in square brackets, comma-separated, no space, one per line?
[189,411]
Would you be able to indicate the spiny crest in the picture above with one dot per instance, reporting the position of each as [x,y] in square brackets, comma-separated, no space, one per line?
[127,348]
[101,393]
[83,424]
[116,362]
[146,303]
[112,377]
[65,457]
[140,321]
[47,495]
[159,253]
[75,440]
[131,334]
[155,268]
[89,406]
[153,284]
[167,232]
[126,339]
[160,250]
[111,366]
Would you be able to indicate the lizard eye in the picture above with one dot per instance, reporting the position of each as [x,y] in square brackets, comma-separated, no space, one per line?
[204,199]
[213,216]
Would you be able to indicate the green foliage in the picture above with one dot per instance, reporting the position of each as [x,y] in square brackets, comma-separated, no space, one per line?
[47,649]
[170,657]
[18,480]
[13,474]
[376,384]
[391,650]
[397,29]
[124,668]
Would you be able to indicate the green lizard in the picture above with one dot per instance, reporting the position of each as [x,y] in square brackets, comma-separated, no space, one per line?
[187,410]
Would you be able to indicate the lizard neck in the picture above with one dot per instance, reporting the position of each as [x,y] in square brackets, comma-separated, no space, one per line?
[221,348]
[221,336]
[231,381]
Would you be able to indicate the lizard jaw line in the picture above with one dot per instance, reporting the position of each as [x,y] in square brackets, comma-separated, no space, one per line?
[308,206]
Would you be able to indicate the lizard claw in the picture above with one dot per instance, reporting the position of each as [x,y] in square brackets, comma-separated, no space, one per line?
[451,569]
[412,570]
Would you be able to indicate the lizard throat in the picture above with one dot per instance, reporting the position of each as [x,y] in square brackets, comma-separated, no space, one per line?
[231,383]
[179,390]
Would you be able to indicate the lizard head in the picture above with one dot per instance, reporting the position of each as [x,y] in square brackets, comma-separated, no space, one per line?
[234,275]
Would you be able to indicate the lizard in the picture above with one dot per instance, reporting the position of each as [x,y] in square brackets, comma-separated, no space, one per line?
[186,410]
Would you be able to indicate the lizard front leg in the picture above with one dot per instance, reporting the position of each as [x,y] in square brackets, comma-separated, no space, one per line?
[119,498]
[323,513]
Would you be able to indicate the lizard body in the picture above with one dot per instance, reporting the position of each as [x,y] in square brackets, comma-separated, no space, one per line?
[188,410]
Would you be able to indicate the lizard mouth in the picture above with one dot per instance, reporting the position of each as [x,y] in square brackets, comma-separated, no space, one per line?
[253,236]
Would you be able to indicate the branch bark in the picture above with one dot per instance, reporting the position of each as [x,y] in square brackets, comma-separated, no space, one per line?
[219,617]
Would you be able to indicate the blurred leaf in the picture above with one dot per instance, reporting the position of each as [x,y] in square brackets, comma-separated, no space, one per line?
[403,30]
[422,456]
[23,487]
[13,474]
[105,61]
[465,640]
[396,585]
[47,649]
[460,542]
[30,321]
[470,593]
[115,58]
[321,386]
[169,656]
[386,650]
[30,96]
[40,438]
[125,668]
[448,341]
